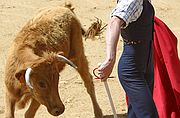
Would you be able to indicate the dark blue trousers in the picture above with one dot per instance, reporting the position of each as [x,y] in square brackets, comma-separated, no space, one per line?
[135,68]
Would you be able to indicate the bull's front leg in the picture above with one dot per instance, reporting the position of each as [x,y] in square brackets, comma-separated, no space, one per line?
[83,70]
[30,113]
[10,106]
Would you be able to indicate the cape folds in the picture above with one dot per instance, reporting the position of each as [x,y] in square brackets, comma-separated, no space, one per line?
[166,71]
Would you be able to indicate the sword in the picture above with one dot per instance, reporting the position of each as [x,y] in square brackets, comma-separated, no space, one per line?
[108,93]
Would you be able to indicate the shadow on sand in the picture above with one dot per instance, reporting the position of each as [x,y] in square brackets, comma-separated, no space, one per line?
[119,116]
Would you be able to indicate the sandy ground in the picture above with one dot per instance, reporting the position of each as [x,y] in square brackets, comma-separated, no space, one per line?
[15,13]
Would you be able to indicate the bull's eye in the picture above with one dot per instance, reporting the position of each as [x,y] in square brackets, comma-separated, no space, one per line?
[41,84]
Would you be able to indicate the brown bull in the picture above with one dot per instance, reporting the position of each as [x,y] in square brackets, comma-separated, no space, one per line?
[37,56]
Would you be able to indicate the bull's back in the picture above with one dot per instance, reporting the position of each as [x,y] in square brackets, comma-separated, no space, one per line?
[50,30]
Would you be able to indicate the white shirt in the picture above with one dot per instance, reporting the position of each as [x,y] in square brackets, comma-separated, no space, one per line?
[128,10]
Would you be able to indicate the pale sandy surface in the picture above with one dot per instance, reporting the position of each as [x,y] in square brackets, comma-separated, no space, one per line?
[15,13]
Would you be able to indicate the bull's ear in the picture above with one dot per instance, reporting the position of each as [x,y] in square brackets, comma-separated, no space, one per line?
[20,75]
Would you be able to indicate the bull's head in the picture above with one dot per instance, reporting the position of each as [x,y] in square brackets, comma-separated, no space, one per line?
[42,79]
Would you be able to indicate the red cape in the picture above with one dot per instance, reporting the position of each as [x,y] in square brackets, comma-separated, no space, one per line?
[166,72]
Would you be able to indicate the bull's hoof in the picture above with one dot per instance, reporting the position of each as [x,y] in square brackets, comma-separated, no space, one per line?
[99,114]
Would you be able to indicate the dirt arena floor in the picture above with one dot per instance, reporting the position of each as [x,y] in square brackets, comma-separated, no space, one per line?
[15,13]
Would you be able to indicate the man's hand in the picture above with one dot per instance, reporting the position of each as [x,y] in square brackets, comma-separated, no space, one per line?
[105,69]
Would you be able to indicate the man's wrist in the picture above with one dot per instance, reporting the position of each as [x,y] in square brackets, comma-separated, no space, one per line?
[110,59]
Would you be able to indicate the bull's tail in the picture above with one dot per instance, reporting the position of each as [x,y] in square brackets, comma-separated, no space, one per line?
[69,6]
[83,31]
[96,29]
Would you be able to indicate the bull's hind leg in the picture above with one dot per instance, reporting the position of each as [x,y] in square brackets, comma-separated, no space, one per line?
[78,57]
[88,82]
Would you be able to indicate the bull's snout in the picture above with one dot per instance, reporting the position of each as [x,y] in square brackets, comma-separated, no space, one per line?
[57,111]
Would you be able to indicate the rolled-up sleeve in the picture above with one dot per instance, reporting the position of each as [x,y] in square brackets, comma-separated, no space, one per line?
[128,10]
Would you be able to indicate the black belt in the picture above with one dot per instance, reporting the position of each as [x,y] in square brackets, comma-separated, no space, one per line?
[132,42]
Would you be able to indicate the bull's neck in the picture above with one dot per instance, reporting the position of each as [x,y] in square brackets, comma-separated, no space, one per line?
[26,55]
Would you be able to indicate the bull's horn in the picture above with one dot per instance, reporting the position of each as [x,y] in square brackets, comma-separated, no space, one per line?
[27,77]
[62,58]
